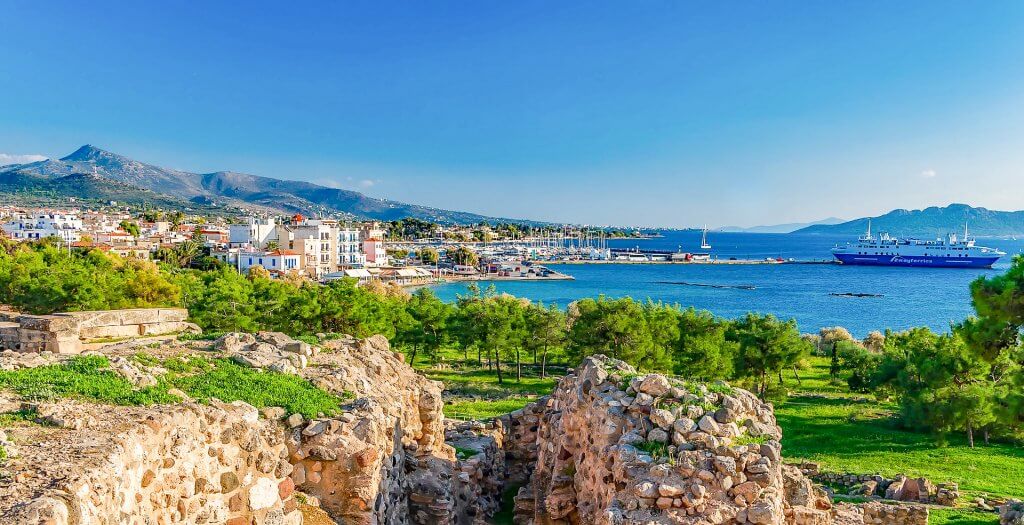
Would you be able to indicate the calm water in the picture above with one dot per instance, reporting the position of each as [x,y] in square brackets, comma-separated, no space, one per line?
[911,296]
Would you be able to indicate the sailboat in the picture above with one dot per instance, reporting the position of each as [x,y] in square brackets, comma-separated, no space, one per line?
[704,239]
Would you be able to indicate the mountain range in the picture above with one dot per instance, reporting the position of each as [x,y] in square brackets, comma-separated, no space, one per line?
[101,175]
[931,222]
[780,228]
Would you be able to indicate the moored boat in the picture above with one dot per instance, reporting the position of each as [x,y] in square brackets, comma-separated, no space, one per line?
[948,252]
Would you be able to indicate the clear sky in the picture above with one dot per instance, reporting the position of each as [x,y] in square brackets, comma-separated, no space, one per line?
[653,113]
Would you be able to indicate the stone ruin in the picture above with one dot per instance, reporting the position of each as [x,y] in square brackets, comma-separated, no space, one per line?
[609,446]
[66,333]
[616,448]
[188,463]
[1011,512]
[898,488]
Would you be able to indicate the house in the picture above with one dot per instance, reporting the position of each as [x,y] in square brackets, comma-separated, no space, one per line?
[255,233]
[41,225]
[373,248]
[275,261]
[350,249]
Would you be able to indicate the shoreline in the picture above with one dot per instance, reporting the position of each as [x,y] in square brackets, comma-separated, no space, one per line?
[714,261]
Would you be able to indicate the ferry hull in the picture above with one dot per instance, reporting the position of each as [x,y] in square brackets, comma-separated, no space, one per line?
[920,261]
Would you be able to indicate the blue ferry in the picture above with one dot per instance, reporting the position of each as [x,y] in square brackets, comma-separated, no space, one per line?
[948,252]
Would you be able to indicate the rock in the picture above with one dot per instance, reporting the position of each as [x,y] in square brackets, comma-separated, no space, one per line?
[233,342]
[655,385]
[709,425]
[646,489]
[670,491]
[662,418]
[657,435]
[294,420]
[263,495]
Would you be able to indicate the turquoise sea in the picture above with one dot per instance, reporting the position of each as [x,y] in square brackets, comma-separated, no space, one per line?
[909,296]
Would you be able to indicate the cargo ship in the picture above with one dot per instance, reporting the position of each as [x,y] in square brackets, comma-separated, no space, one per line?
[885,250]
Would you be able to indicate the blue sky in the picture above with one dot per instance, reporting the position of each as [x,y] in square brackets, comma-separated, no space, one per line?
[650,113]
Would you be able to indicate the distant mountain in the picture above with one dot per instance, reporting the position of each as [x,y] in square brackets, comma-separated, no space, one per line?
[932,222]
[226,188]
[26,188]
[781,228]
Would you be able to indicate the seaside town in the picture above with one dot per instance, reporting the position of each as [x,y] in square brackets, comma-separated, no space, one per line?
[313,248]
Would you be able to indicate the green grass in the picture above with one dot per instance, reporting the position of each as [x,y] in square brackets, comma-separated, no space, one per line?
[468,409]
[228,382]
[475,393]
[82,377]
[845,436]
[88,378]
[25,416]
[506,513]
[465,453]
[484,383]
[653,448]
[961,517]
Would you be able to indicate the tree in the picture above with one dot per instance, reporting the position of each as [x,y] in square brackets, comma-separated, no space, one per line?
[702,351]
[428,256]
[463,256]
[860,363]
[545,329]
[766,347]
[430,323]
[828,343]
[614,327]
[941,384]
[131,227]
[874,341]
[258,272]
[662,322]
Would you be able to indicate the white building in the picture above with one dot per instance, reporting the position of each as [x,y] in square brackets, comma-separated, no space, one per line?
[350,249]
[276,261]
[256,233]
[315,239]
[65,227]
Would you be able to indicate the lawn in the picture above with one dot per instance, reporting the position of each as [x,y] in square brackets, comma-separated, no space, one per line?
[961,517]
[475,393]
[855,433]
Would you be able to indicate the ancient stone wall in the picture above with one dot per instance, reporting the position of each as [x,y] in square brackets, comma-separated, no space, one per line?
[384,461]
[480,474]
[619,448]
[65,332]
[898,488]
[519,437]
[883,514]
[188,463]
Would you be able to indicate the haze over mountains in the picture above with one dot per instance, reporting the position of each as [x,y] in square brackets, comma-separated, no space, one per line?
[116,175]
[780,228]
[931,222]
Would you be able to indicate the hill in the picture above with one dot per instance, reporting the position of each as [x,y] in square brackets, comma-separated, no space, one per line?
[931,222]
[223,188]
[780,228]
[21,188]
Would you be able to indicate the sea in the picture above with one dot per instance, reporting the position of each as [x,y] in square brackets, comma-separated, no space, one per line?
[896,298]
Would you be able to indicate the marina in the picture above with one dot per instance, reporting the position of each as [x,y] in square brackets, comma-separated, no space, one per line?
[815,292]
